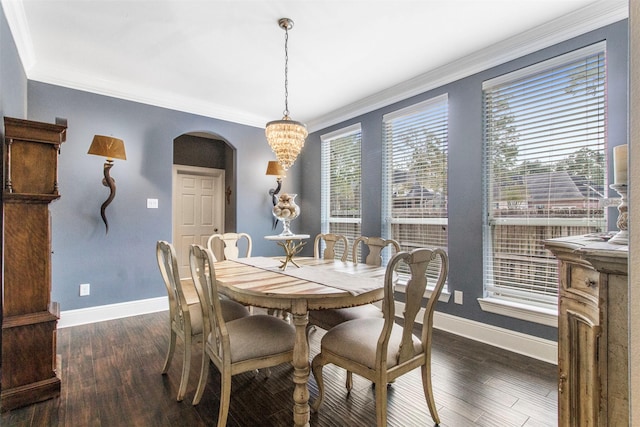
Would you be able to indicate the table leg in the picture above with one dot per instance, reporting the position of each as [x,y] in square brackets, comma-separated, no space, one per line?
[301,371]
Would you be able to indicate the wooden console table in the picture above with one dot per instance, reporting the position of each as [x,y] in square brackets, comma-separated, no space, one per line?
[593,316]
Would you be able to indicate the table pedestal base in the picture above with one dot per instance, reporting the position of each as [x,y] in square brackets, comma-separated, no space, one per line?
[301,411]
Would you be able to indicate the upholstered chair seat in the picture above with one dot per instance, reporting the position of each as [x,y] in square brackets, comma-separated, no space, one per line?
[327,319]
[358,342]
[231,310]
[258,336]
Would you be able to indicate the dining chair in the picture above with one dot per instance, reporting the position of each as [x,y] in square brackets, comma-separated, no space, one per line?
[230,242]
[246,344]
[230,248]
[185,316]
[327,319]
[382,350]
[375,245]
[332,242]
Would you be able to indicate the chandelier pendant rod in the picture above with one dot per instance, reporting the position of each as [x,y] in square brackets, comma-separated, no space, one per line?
[286,24]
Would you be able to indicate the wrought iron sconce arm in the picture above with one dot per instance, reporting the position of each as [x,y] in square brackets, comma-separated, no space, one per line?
[107,181]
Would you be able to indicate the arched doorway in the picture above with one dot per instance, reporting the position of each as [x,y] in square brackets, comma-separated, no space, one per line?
[203,191]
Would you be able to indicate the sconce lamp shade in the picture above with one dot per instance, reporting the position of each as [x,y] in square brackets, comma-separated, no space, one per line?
[107,146]
[275,169]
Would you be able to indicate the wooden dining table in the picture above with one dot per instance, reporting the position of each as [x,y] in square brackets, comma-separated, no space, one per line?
[317,284]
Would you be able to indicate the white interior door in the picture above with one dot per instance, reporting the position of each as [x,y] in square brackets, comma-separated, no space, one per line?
[198,209]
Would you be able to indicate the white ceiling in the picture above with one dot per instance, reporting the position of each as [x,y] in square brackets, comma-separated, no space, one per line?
[225,59]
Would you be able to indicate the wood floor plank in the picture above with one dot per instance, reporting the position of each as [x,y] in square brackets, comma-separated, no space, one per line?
[111,377]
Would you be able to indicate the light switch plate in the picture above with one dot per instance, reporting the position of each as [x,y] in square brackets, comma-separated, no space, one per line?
[85,289]
[152,203]
[457,297]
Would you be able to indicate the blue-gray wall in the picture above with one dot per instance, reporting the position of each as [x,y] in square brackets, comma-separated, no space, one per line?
[465,167]
[121,265]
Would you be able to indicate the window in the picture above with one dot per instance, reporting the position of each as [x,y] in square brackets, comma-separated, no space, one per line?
[545,171]
[340,187]
[414,187]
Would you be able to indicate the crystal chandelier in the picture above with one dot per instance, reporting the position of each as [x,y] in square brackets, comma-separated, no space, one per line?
[286,137]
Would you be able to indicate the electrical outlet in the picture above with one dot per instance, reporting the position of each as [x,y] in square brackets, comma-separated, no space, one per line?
[457,297]
[85,289]
[152,203]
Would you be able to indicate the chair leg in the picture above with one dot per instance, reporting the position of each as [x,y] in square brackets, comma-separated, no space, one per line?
[170,351]
[428,393]
[204,374]
[186,366]
[349,383]
[316,366]
[381,404]
[225,397]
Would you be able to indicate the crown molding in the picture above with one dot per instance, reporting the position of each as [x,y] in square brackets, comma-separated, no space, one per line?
[17,20]
[587,19]
[124,90]
[594,16]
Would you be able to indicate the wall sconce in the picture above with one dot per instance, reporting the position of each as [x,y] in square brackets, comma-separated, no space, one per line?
[275,169]
[111,148]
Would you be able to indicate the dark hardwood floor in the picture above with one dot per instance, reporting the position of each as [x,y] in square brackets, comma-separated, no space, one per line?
[111,377]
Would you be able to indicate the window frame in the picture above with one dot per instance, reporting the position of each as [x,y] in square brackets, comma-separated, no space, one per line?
[544,312]
[439,107]
[326,219]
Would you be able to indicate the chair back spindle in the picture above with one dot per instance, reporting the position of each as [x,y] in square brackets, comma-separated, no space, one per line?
[376,245]
[168,264]
[230,242]
[332,242]
[201,262]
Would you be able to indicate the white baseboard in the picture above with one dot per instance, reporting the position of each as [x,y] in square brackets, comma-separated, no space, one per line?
[516,342]
[101,313]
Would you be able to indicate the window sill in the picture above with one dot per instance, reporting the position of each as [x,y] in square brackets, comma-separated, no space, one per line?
[543,316]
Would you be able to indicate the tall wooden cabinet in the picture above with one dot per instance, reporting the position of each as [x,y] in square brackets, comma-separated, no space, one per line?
[28,372]
[593,316]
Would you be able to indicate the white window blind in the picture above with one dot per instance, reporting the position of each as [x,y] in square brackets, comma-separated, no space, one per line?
[341,183]
[545,169]
[414,187]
